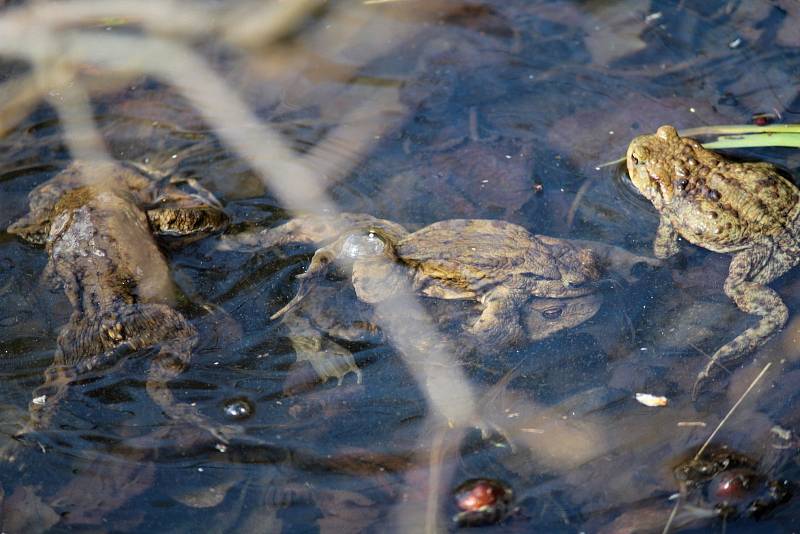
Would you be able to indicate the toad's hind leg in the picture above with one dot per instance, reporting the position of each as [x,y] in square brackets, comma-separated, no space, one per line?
[327,358]
[171,360]
[745,285]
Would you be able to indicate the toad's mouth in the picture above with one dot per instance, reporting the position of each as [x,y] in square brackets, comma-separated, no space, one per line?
[30,230]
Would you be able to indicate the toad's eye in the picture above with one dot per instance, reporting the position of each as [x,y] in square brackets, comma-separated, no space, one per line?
[639,156]
[552,313]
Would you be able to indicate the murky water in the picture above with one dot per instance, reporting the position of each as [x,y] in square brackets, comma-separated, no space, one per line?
[509,106]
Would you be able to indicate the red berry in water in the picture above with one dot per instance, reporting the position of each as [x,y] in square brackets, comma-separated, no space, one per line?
[732,486]
[480,495]
[482,501]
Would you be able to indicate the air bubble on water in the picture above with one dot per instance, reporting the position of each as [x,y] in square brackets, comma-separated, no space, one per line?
[362,246]
[238,408]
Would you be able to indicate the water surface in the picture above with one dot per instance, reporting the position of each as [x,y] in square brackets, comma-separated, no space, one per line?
[508,107]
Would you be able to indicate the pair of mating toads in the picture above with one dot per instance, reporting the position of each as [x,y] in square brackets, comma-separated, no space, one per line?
[524,286]
[530,286]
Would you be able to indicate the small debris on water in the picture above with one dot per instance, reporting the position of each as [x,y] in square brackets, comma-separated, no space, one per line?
[651,400]
[538,187]
[652,17]
[781,432]
[39,401]
[735,43]
[692,423]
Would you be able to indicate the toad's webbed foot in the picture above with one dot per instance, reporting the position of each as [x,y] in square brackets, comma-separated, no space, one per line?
[317,270]
[499,322]
[327,358]
[619,262]
[753,298]
[171,360]
[665,244]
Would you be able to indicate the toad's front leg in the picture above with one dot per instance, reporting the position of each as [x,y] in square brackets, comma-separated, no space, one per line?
[751,297]
[665,244]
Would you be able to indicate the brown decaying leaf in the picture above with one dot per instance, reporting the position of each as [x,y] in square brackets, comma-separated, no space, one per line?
[25,512]
[101,488]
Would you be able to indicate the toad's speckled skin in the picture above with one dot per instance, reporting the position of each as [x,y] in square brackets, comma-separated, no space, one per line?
[525,286]
[745,209]
[102,252]
[495,263]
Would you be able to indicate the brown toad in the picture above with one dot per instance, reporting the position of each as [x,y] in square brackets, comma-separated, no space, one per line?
[102,252]
[498,264]
[524,286]
[745,209]
[171,210]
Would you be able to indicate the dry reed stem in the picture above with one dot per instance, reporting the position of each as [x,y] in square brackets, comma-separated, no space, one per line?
[733,409]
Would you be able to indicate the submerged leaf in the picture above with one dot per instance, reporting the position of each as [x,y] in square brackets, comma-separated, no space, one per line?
[24,511]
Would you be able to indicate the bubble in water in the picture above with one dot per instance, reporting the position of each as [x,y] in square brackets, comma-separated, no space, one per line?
[362,246]
[239,409]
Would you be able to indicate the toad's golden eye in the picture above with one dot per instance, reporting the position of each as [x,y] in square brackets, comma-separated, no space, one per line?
[552,313]
[639,155]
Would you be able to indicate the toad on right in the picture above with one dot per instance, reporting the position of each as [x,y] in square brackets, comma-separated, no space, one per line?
[745,209]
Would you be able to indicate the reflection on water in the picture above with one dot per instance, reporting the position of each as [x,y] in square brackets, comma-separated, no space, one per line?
[496,96]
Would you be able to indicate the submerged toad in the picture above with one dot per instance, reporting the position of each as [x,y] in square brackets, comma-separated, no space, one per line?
[523,286]
[745,209]
[102,252]
[172,210]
